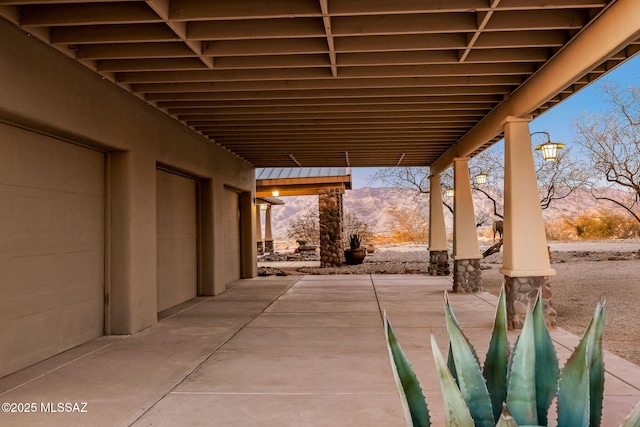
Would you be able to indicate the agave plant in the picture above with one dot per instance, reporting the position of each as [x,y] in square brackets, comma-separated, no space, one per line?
[355,241]
[515,387]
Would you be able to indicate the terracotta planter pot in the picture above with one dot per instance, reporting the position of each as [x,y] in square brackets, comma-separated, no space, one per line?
[355,256]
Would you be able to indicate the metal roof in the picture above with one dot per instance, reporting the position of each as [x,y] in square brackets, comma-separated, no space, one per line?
[269,200]
[317,83]
[280,173]
[301,181]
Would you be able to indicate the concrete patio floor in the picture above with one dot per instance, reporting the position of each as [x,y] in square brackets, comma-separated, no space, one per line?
[274,351]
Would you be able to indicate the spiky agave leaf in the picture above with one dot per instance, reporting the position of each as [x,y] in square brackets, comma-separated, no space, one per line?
[546,370]
[633,420]
[581,386]
[573,390]
[456,411]
[521,388]
[506,420]
[414,404]
[595,360]
[472,384]
[451,364]
[497,360]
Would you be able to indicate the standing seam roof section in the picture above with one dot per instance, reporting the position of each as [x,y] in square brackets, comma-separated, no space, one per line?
[280,173]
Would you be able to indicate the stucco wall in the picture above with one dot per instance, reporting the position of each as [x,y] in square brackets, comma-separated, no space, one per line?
[46,92]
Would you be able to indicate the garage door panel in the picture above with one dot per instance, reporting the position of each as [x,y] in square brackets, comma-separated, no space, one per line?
[82,213]
[80,269]
[25,346]
[80,322]
[177,278]
[46,166]
[30,302]
[231,255]
[51,247]
[168,274]
[167,218]
[34,214]
[187,228]
[83,176]
[75,172]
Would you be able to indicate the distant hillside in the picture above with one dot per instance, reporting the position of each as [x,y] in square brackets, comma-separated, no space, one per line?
[372,204]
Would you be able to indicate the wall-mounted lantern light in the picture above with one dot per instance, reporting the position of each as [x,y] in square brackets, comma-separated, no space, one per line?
[449,192]
[549,149]
[481,178]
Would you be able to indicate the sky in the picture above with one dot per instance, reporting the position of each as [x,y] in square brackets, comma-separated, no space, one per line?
[558,121]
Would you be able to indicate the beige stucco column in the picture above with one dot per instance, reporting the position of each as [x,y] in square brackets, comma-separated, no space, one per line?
[132,285]
[259,230]
[438,248]
[268,234]
[466,251]
[525,254]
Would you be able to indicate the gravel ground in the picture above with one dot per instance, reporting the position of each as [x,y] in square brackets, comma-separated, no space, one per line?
[381,262]
[586,272]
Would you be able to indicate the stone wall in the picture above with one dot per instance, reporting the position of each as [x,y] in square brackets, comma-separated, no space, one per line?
[268,246]
[521,293]
[330,211]
[467,276]
[439,263]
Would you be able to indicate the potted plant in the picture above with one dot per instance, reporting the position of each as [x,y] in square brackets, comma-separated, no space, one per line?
[355,254]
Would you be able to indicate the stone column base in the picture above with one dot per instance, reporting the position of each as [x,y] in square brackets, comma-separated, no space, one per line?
[260,248]
[268,246]
[330,213]
[439,263]
[521,293]
[467,276]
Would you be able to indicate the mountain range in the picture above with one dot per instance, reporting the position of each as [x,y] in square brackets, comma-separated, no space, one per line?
[371,205]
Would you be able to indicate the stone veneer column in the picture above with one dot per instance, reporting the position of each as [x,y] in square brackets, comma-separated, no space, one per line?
[259,230]
[467,276]
[525,264]
[268,233]
[330,212]
[438,249]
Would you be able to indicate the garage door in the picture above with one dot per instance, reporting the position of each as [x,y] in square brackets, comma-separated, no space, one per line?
[231,255]
[177,239]
[51,247]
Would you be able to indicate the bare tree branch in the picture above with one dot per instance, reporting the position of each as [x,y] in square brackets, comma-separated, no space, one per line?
[611,143]
[632,213]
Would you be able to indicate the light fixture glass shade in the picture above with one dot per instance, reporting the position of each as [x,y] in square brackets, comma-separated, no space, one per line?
[549,150]
[275,193]
[449,192]
[481,178]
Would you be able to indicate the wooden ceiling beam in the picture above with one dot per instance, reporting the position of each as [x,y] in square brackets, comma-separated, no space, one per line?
[52,15]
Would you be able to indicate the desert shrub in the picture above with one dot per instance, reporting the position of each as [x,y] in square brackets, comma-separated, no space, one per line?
[595,225]
[353,224]
[408,225]
[306,227]
[382,239]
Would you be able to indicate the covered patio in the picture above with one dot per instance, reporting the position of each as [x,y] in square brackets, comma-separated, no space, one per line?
[130,134]
[275,352]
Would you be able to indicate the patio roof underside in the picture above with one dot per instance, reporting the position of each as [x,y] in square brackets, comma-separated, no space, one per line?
[288,83]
